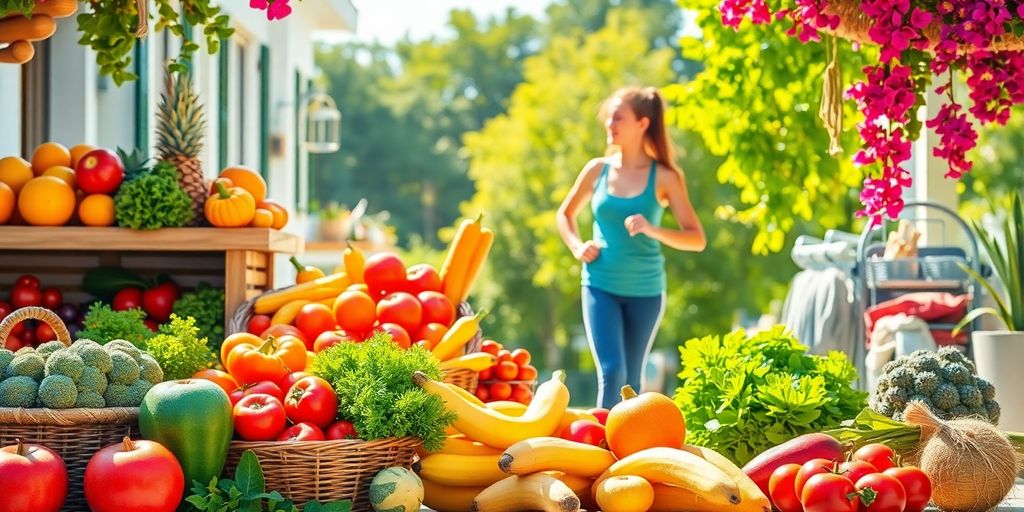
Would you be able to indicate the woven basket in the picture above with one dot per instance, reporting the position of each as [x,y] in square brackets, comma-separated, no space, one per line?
[854,26]
[75,434]
[325,470]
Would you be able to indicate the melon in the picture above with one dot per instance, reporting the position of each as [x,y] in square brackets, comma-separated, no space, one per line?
[396,489]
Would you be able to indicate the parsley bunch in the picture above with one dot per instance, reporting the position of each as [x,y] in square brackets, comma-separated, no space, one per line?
[179,349]
[103,324]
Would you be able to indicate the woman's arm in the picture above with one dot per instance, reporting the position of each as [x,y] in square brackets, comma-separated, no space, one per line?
[581,192]
[690,235]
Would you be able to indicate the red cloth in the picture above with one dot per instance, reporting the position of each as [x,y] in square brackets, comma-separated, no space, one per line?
[928,306]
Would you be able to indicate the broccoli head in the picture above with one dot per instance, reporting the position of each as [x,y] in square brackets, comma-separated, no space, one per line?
[125,347]
[6,356]
[137,391]
[150,370]
[28,364]
[90,400]
[125,370]
[92,380]
[19,391]
[57,392]
[119,395]
[92,354]
[49,347]
[64,362]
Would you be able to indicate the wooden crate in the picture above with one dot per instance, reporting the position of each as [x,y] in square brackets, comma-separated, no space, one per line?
[239,260]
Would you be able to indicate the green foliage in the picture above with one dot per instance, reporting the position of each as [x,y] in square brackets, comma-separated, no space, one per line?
[741,396]
[998,161]
[373,381]
[154,200]
[206,306]
[110,30]
[8,7]
[757,100]
[178,348]
[1005,249]
[248,492]
[102,324]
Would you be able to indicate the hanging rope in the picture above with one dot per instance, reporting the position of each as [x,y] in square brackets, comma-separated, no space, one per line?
[831,110]
[142,29]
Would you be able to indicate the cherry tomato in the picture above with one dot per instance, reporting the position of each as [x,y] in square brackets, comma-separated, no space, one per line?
[809,469]
[782,488]
[829,492]
[25,296]
[311,400]
[878,455]
[491,347]
[5,309]
[45,333]
[128,298]
[521,356]
[855,469]
[302,432]
[886,495]
[259,418]
[27,281]
[257,324]
[342,429]
[916,484]
[52,298]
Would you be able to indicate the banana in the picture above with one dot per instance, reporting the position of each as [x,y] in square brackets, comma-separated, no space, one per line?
[461,445]
[681,469]
[533,492]
[496,429]
[508,408]
[449,498]
[572,415]
[286,315]
[752,499]
[555,454]
[578,484]
[461,470]
[465,394]
[477,361]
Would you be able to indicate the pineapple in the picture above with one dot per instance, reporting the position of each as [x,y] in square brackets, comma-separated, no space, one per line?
[180,129]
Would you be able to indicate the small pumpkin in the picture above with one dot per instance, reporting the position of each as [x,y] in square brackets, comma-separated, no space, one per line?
[396,489]
[262,219]
[631,423]
[230,207]
[248,179]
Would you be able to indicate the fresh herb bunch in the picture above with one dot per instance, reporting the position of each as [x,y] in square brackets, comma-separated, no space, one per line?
[248,492]
[103,324]
[179,349]
[206,306]
[373,381]
[111,29]
[742,396]
[153,200]
[16,7]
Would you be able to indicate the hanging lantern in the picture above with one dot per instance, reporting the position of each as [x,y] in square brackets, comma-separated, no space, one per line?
[323,125]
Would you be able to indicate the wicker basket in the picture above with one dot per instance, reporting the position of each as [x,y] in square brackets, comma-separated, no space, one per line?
[325,470]
[75,434]
[854,26]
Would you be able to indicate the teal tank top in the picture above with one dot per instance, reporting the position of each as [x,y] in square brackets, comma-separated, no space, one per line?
[627,266]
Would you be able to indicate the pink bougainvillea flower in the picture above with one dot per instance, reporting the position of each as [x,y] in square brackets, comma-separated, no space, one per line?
[278,10]
[258,4]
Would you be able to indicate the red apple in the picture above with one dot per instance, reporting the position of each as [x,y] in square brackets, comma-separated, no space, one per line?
[436,308]
[398,334]
[385,272]
[586,432]
[600,413]
[423,277]
[402,309]
[99,171]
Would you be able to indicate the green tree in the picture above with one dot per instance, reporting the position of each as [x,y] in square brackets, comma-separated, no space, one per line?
[998,161]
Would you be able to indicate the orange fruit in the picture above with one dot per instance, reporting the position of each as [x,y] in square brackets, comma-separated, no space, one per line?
[49,154]
[7,202]
[262,219]
[97,210]
[645,421]
[46,201]
[78,151]
[64,173]
[279,211]
[15,172]
[248,179]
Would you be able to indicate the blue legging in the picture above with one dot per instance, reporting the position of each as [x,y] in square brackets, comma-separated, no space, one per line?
[621,331]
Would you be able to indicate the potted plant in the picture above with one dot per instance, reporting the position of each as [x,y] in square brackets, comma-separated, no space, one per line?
[998,354]
[334,222]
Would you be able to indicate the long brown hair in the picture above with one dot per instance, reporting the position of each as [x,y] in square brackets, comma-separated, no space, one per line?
[647,102]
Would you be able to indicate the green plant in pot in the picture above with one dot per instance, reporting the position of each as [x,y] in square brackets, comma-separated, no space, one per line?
[998,353]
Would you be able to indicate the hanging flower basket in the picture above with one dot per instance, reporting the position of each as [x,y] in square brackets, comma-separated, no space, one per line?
[983,40]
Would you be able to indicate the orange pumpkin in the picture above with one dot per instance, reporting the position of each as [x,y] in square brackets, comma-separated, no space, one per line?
[279,211]
[272,360]
[262,219]
[248,179]
[213,184]
[230,207]
[645,421]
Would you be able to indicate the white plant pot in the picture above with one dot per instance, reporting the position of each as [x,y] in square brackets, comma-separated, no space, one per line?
[999,356]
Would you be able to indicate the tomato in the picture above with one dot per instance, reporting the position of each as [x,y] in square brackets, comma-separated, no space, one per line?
[436,308]
[586,432]
[809,469]
[222,379]
[355,311]
[855,469]
[600,413]
[142,476]
[521,356]
[128,298]
[527,373]
[522,393]
[302,432]
[398,334]
[52,298]
[45,333]
[491,347]
[828,492]
[385,272]
[311,400]
[257,324]
[504,355]
[5,309]
[888,493]
[422,278]
[24,296]
[487,374]
[431,333]
[27,281]
[400,308]
[506,370]
[500,391]
[482,393]
[280,330]
[159,301]
[328,339]
[264,387]
[878,455]
[14,343]
[272,360]
[99,171]
[782,488]
[916,485]
[151,325]
[33,478]
[289,380]
[259,417]
[342,429]
[314,319]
